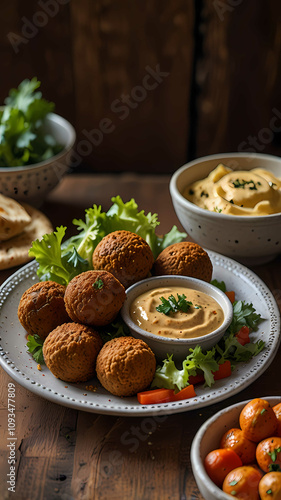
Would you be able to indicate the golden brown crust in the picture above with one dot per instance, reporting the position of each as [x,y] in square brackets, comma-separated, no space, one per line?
[124,254]
[186,259]
[41,308]
[125,366]
[89,303]
[70,352]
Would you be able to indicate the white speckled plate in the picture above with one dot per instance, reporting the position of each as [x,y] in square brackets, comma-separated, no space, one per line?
[23,369]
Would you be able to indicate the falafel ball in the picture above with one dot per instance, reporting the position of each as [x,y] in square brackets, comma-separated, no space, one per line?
[42,308]
[185,258]
[124,254]
[70,352]
[125,366]
[94,298]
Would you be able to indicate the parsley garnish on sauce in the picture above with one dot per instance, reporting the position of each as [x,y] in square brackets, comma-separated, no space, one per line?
[172,305]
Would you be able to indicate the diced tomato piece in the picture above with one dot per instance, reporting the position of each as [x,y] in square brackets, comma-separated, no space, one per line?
[223,371]
[231,296]
[196,379]
[243,335]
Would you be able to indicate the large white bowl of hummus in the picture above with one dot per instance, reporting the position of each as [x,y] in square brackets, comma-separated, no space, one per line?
[231,203]
[173,314]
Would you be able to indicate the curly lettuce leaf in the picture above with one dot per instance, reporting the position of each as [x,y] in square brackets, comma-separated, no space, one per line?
[53,265]
[121,216]
[61,261]
[170,377]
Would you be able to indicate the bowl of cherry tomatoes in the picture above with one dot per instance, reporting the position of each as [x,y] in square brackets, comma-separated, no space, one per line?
[237,452]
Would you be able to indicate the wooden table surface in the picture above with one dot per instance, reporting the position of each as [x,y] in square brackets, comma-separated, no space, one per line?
[68,454]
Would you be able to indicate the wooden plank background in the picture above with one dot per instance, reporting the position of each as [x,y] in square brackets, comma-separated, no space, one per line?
[150,84]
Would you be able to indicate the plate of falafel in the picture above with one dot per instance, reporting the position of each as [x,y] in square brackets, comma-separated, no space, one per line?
[84,370]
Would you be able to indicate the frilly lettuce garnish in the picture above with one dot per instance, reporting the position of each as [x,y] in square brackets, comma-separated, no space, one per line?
[207,362]
[61,261]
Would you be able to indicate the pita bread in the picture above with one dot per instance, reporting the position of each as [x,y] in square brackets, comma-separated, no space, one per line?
[14,252]
[13,218]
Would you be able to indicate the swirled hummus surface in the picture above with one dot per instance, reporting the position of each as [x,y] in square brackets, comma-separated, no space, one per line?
[203,316]
[237,192]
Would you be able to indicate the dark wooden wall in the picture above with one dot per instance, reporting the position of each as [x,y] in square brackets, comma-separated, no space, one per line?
[150,84]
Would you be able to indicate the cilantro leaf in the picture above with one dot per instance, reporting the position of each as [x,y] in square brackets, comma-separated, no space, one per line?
[98,284]
[244,315]
[35,348]
[219,284]
[229,348]
[116,329]
[173,305]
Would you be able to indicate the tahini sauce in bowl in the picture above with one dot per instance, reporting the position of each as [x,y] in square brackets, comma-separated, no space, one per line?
[237,192]
[178,346]
[204,314]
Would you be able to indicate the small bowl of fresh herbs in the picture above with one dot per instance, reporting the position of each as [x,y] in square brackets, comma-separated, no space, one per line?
[35,144]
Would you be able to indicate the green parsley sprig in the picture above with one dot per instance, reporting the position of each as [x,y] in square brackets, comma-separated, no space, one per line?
[35,348]
[98,285]
[173,305]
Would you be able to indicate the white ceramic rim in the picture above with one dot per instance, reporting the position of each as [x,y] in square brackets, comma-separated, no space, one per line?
[53,117]
[207,213]
[188,282]
[196,459]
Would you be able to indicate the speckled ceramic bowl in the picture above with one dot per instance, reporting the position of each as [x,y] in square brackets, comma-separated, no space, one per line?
[250,240]
[208,438]
[161,346]
[32,183]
